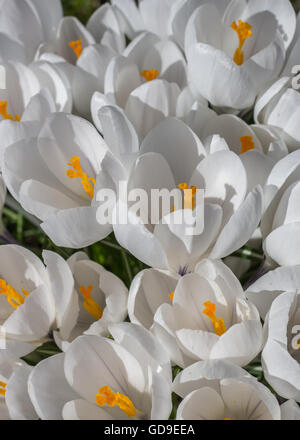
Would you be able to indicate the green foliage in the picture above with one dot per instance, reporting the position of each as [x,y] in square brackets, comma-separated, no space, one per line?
[81,9]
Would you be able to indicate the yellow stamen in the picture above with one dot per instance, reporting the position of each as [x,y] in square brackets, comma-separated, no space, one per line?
[14,298]
[171,296]
[76,46]
[90,305]
[227,418]
[218,323]
[5,115]
[247,144]
[150,75]
[189,195]
[106,396]
[243,30]
[2,390]
[88,183]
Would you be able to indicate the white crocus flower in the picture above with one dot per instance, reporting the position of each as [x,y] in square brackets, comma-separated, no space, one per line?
[279,108]
[15,403]
[281,221]
[172,156]
[27,302]
[290,410]
[54,178]
[101,379]
[71,38]
[282,9]
[232,57]
[281,354]
[148,81]
[276,295]
[29,23]
[105,26]
[100,298]
[149,15]
[216,390]
[80,61]
[258,146]
[277,298]
[279,105]
[30,95]
[208,317]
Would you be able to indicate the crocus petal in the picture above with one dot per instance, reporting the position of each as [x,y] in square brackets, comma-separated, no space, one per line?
[17,397]
[240,226]
[47,376]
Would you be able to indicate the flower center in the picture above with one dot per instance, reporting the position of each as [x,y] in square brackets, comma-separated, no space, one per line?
[90,305]
[76,46]
[150,75]
[5,115]
[14,298]
[218,323]
[171,296]
[243,30]
[189,195]
[2,388]
[88,183]
[247,144]
[106,396]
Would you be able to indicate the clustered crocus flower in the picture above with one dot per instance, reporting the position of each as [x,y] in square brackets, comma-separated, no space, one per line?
[115,309]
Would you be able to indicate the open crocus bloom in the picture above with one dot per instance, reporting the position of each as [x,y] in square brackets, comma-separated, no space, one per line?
[279,108]
[80,61]
[217,390]
[208,317]
[106,27]
[101,379]
[232,57]
[276,295]
[163,163]
[27,304]
[258,145]
[281,354]
[29,23]
[146,81]
[281,221]
[30,95]
[15,403]
[54,177]
[101,298]
[211,385]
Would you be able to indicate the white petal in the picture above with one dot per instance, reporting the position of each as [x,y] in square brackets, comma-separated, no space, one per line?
[49,389]
[240,226]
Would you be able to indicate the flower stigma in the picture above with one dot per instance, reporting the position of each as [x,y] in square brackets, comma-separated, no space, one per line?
[247,144]
[2,388]
[76,46]
[106,396]
[5,114]
[88,183]
[150,75]
[243,30]
[90,305]
[14,298]
[218,323]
